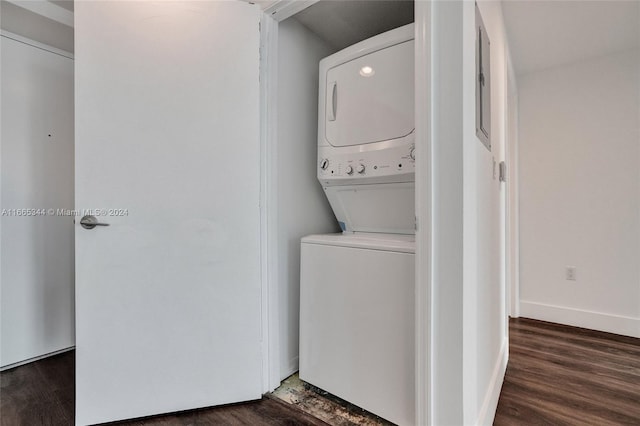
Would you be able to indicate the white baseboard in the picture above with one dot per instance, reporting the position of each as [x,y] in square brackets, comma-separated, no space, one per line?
[36,358]
[490,403]
[617,324]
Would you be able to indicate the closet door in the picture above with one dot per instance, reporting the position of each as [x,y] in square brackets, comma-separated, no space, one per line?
[167,155]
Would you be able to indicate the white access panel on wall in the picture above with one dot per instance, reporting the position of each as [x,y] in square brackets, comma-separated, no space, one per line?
[37,282]
[370,98]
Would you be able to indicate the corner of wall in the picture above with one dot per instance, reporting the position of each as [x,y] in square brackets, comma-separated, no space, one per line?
[492,395]
[485,311]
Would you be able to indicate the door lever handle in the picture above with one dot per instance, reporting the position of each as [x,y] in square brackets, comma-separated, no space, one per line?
[90,222]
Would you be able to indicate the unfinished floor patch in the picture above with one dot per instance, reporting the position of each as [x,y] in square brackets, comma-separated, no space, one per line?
[324,406]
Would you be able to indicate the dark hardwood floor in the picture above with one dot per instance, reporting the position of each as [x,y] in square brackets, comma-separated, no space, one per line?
[561,375]
[268,411]
[42,394]
[557,375]
[39,393]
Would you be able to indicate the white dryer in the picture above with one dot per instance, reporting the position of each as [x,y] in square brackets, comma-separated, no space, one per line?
[357,288]
[366,162]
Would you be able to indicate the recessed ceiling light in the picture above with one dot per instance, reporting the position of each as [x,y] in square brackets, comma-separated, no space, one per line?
[367,71]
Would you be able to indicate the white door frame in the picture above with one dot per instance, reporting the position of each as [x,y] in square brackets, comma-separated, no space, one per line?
[512,252]
[268,201]
[274,14]
[424,193]
[271,17]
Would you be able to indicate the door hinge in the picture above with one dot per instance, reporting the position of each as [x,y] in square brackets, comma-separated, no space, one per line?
[502,171]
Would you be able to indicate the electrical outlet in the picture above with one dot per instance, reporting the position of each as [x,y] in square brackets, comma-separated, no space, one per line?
[570,273]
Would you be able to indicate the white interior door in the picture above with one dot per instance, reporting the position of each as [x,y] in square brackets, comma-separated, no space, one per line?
[167,142]
[36,284]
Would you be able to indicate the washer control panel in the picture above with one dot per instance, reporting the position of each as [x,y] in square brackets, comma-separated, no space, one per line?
[360,165]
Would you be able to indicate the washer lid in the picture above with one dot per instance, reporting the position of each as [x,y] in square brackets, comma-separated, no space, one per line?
[365,240]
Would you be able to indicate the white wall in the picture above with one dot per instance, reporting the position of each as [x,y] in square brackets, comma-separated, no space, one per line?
[485,339]
[446,206]
[302,207]
[580,193]
[469,339]
[37,281]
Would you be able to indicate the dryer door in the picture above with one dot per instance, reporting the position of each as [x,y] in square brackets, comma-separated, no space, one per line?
[370,99]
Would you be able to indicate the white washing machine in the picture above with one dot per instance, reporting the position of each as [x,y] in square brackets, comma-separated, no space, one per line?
[357,288]
[357,320]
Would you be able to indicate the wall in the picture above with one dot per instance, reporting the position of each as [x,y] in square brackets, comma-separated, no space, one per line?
[580,193]
[302,207]
[446,208]
[485,336]
[469,342]
[37,280]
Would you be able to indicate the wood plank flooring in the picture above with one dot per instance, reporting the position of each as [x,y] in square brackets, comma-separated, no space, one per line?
[39,393]
[42,394]
[267,411]
[557,375]
[561,375]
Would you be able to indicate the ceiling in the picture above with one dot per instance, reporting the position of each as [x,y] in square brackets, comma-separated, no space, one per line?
[67,4]
[343,23]
[35,21]
[544,34]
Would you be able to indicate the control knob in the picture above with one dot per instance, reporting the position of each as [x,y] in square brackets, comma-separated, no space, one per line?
[349,170]
[324,163]
[360,168]
[412,153]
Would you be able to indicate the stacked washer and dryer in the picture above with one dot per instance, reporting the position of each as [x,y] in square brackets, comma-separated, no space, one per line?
[357,288]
